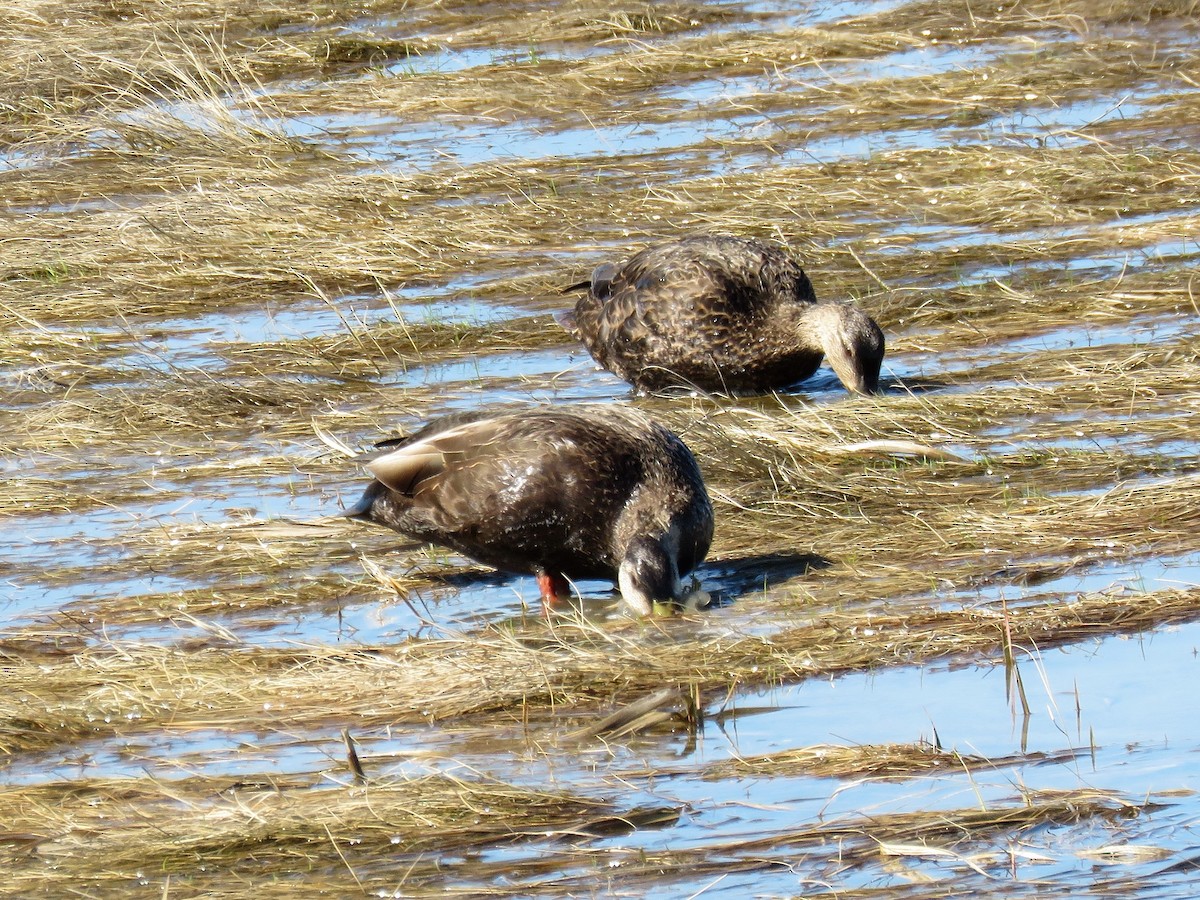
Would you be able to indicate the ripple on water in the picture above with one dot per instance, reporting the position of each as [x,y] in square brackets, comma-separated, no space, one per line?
[203,341]
[1107,710]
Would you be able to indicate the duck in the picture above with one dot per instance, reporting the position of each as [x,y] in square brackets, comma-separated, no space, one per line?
[720,313]
[591,491]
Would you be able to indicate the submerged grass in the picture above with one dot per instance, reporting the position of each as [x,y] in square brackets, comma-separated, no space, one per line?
[347,837]
[1023,230]
[126,688]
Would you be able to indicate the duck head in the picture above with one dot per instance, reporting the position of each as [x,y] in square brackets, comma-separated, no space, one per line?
[649,574]
[852,343]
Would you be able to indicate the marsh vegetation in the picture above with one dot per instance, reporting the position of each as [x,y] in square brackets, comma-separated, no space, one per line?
[956,622]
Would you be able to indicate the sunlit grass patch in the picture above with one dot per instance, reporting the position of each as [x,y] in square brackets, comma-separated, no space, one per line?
[128,688]
[243,244]
[198,828]
[887,761]
[204,832]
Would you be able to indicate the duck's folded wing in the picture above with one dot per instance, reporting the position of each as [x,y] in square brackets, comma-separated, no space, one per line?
[431,453]
[403,470]
[641,311]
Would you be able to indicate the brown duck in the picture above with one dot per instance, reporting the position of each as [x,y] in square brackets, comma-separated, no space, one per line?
[593,491]
[721,313]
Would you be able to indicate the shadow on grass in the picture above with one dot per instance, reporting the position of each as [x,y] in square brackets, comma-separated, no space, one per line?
[728,579]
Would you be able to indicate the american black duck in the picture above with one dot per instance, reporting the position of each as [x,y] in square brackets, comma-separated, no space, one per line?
[592,491]
[721,313]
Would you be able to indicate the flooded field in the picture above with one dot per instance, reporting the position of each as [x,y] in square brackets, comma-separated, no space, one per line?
[956,626]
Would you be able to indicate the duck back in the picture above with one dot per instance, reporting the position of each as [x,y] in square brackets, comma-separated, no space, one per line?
[709,311]
[542,490]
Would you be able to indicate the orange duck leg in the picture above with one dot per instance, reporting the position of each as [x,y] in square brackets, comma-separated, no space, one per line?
[553,587]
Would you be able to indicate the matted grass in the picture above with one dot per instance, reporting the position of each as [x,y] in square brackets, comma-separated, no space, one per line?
[1008,188]
[340,838]
[128,688]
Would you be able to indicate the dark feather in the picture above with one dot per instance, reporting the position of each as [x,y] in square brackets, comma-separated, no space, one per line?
[721,313]
[545,490]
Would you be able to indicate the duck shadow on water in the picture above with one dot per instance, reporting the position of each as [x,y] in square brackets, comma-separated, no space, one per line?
[730,578]
[913,384]
[725,581]
[825,384]
[822,385]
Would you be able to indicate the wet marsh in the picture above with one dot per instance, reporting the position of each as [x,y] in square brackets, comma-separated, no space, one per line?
[956,627]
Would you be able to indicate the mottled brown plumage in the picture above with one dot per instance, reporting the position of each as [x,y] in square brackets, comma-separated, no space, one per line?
[593,491]
[721,313]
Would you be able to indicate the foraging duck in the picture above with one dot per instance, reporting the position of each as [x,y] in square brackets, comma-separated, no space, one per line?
[593,491]
[720,313]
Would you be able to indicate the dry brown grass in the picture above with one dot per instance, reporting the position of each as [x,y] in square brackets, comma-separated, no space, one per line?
[102,835]
[129,687]
[152,184]
[868,761]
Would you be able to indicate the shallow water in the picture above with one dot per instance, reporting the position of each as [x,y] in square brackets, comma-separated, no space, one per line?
[409,146]
[1120,706]
[199,341]
[1111,709]
[1149,330]
[922,61]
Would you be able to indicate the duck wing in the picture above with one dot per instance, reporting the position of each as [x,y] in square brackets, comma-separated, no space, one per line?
[655,294]
[448,442]
[519,492]
[693,284]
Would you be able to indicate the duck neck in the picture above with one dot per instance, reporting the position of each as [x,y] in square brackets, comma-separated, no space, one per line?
[850,340]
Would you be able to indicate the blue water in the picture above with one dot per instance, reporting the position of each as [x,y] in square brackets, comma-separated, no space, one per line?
[1121,706]
[1112,705]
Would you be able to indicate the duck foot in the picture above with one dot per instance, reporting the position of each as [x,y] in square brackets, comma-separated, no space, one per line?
[553,586]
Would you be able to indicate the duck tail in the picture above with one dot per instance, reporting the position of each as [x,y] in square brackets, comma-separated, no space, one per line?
[362,509]
[566,320]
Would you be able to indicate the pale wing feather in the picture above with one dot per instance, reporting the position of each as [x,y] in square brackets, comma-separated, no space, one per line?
[401,470]
[406,467]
